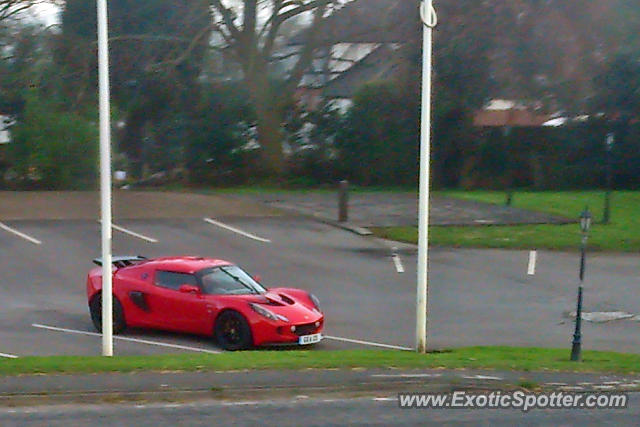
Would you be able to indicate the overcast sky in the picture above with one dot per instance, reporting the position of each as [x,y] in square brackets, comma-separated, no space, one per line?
[48,13]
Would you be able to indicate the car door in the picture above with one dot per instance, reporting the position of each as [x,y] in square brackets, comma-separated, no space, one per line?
[175,310]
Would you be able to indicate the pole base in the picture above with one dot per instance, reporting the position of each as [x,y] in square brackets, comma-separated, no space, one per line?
[575,352]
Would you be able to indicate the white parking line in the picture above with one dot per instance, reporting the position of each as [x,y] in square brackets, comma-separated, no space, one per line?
[19,234]
[406,375]
[481,377]
[398,263]
[531,270]
[373,344]
[396,260]
[94,334]
[8,356]
[235,230]
[131,233]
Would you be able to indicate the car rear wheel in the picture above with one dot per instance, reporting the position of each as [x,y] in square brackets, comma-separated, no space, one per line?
[95,308]
[232,331]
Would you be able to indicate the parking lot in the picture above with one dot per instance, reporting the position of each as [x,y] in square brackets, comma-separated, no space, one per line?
[476,297]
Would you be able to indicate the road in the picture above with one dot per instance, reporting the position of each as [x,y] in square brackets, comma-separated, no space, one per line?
[476,297]
[383,411]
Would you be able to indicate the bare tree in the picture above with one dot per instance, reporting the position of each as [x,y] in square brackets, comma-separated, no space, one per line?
[13,9]
[250,29]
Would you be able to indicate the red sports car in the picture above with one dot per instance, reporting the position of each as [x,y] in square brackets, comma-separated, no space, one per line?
[205,296]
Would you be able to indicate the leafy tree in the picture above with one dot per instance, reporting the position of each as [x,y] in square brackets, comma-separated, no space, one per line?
[156,54]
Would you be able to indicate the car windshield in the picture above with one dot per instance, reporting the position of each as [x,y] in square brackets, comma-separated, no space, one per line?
[228,280]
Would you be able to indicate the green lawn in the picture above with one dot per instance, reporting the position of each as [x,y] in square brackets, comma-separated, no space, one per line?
[499,358]
[622,234]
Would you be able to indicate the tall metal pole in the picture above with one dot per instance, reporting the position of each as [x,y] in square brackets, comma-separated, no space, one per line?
[105,178]
[429,20]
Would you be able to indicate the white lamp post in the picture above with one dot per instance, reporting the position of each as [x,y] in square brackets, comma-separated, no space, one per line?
[429,20]
[105,178]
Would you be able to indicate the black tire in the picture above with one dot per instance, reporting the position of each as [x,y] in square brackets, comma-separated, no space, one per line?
[95,308]
[232,331]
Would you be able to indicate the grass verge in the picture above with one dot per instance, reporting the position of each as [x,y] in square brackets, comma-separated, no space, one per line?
[498,358]
[622,234]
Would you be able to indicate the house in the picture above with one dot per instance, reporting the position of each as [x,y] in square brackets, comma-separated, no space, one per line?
[361,43]
[507,113]
[5,123]
[5,139]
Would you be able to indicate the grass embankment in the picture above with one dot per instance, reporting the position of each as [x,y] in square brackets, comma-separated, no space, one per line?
[622,234]
[499,358]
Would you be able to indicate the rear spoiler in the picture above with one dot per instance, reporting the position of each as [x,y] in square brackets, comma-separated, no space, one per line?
[122,261]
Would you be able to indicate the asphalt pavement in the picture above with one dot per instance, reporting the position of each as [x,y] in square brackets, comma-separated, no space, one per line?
[476,297]
[379,411]
[310,398]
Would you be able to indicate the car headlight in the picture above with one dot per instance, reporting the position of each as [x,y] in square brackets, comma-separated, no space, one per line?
[267,313]
[314,299]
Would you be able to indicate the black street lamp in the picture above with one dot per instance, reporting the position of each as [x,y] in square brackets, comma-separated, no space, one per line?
[585,224]
[607,195]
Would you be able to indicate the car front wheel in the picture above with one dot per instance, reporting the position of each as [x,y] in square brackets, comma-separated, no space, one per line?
[95,308]
[232,331]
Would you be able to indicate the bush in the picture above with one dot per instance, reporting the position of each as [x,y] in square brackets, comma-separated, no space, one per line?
[379,141]
[221,148]
[53,150]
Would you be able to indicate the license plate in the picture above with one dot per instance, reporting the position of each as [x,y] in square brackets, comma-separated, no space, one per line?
[309,339]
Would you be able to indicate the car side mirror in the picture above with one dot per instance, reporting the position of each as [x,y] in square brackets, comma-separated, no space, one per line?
[189,289]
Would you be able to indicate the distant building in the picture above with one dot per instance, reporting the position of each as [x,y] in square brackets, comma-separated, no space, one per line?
[361,43]
[5,123]
[509,113]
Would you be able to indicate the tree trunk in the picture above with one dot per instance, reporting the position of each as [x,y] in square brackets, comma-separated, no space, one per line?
[270,137]
[270,116]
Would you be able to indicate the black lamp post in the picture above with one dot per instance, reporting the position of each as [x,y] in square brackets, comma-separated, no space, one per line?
[585,224]
[607,195]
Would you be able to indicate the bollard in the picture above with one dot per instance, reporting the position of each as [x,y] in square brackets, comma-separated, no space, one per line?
[343,201]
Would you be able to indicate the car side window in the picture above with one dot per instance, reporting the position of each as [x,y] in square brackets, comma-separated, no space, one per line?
[173,280]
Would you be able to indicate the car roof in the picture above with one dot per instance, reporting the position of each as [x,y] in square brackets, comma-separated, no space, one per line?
[185,264]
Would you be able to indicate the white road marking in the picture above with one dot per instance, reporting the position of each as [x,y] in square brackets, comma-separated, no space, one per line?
[244,403]
[94,334]
[406,375]
[396,260]
[385,399]
[556,384]
[19,234]
[132,233]
[531,270]
[481,377]
[8,356]
[235,230]
[603,387]
[373,344]
[571,388]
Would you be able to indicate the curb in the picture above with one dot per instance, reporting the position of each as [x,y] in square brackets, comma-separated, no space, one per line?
[361,231]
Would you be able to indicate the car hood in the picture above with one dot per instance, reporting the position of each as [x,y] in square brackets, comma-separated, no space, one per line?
[280,302]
